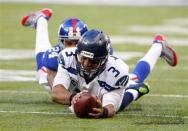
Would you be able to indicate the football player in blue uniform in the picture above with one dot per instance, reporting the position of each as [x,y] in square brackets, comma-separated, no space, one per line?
[46,55]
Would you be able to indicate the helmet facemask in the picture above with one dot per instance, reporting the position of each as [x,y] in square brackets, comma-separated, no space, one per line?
[92,53]
[64,43]
[90,73]
[71,29]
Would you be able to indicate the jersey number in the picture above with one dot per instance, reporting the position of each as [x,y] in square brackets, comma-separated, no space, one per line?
[53,52]
[69,53]
[114,70]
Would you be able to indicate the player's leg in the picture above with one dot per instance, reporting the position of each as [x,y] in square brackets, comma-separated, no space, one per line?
[145,66]
[39,21]
[159,48]
[42,41]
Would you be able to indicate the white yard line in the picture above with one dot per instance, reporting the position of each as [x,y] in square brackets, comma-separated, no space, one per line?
[35,112]
[29,54]
[15,54]
[23,92]
[138,40]
[171,80]
[10,75]
[167,95]
[168,29]
[69,113]
[154,115]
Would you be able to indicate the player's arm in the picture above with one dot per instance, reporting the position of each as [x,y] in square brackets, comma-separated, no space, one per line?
[109,105]
[99,112]
[118,78]
[103,112]
[111,110]
[50,77]
[60,94]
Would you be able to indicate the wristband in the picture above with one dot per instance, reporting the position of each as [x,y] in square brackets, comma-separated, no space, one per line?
[70,98]
[104,113]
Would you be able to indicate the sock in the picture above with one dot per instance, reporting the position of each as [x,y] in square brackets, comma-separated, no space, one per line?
[146,64]
[128,97]
[142,70]
[42,40]
[39,60]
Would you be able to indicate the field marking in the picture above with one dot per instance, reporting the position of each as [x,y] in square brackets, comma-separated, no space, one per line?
[15,54]
[167,95]
[154,115]
[170,29]
[181,21]
[171,80]
[141,40]
[11,75]
[23,92]
[169,26]
[35,112]
[69,113]
[44,92]
[29,54]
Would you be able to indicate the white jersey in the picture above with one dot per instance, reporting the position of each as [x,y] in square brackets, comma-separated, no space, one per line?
[108,86]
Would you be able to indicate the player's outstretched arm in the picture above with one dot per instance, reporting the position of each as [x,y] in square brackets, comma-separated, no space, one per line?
[50,77]
[60,94]
[98,111]
[86,105]
[103,112]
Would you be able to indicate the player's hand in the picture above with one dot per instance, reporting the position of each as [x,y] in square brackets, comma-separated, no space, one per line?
[97,112]
[77,97]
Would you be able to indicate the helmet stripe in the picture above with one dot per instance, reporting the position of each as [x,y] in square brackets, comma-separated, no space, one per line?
[74,25]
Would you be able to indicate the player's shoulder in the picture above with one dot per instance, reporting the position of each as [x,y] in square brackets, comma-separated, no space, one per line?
[116,73]
[119,64]
[67,56]
[68,52]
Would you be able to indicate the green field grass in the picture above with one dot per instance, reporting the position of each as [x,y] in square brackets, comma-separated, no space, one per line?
[26,106]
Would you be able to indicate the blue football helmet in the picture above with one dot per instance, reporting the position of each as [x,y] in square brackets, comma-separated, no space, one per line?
[71,29]
[94,44]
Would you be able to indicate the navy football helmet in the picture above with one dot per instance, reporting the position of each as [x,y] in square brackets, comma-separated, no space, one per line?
[71,29]
[94,45]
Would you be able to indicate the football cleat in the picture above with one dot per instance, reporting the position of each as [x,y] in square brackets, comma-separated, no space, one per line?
[168,54]
[142,89]
[30,20]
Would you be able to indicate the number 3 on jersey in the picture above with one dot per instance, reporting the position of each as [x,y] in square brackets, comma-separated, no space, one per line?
[114,70]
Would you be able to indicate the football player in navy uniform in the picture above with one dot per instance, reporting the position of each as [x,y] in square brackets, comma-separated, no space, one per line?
[89,67]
